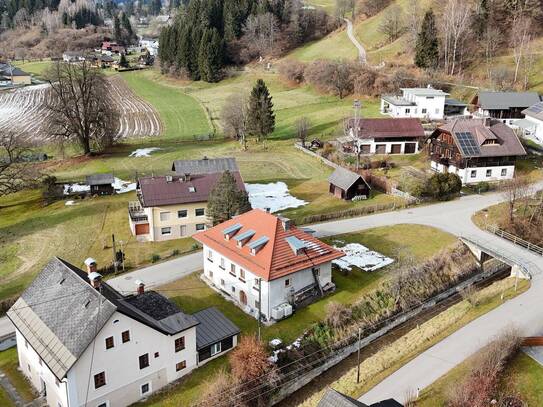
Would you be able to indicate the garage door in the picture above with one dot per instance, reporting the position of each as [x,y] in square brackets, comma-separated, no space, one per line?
[142,229]
[410,148]
[396,149]
[380,149]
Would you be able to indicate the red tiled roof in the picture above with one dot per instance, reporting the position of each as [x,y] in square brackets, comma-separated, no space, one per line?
[380,128]
[158,191]
[276,259]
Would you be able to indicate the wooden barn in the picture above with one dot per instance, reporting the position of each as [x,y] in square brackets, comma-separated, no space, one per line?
[346,184]
[101,184]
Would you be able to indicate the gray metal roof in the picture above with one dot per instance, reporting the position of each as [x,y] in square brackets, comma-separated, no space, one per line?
[535,111]
[344,178]
[454,102]
[397,100]
[213,327]
[205,166]
[429,91]
[100,179]
[507,100]
[295,244]
[333,398]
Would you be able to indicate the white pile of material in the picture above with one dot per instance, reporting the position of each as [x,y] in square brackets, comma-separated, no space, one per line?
[119,185]
[274,196]
[360,256]
[144,152]
[70,203]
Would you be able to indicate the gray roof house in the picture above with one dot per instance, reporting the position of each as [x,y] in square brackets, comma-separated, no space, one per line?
[205,166]
[346,184]
[101,184]
[333,398]
[504,105]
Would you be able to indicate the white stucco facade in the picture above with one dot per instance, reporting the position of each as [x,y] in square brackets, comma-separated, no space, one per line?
[474,175]
[125,381]
[535,130]
[416,103]
[376,146]
[225,275]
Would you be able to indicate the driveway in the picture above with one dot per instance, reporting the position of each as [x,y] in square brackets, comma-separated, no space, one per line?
[361,50]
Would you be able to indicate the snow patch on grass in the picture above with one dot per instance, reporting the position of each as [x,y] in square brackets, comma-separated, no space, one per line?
[119,185]
[143,152]
[274,196]
[360,256]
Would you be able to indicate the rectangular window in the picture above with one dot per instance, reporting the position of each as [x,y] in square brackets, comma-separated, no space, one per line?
[99,380]
[40,362]
[57,382]
[145,388]
[473,173]
[215,348]
[437,111]
[287,282]
[180,344]
[407,111]
[164,216]
[144,361]
[157,355]
[166,231]
[125,336]
[504,172]
[488,173]
[210,274]
[110,343]
[222,263]
[233,269]
[181,365]
[200,212]
[233,289]
[257,305]
[210,255]
[182,213]
[242,275]
[222,282]
[424,111]
[200,226]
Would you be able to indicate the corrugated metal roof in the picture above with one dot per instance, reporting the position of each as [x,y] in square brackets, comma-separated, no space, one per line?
[344,178]
[333,398]
[428,91]
[535,111]
[213,327]
[506,100]
[205,166]
[100,179]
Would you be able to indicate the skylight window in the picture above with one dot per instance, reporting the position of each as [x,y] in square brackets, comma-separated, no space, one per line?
[192,189]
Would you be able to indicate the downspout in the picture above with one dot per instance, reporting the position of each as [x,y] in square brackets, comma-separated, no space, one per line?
[314,274]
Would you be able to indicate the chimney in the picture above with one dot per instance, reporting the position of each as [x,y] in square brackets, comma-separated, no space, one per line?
[286,222]
[268,210]
[95,280]
[91,265]
[141,287]
[487,121]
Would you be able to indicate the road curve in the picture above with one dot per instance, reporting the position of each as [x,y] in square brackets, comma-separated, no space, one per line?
[361,50]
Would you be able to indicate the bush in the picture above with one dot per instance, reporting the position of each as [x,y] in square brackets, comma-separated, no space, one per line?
[338,315]
[444,186]
[483,186]
[155,257]
[292,71]
[6,304]
[175,252]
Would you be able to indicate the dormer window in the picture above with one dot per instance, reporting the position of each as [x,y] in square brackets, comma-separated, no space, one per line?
[230,231]
[242,239]
[258,244]
[192,189]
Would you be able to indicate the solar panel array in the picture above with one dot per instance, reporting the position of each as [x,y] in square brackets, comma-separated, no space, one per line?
[537,108]
[468,144]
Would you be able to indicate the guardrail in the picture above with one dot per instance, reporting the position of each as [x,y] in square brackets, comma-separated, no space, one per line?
[515,239]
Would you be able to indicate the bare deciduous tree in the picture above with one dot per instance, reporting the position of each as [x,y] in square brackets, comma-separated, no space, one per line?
[456,21]
[302,129]
[392,25]
[81,106]
[234,118]
[15,171]
[413,20]
[520,37]
[514,190]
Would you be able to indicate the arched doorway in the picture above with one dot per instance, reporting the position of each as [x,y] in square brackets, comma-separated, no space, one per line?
[243,297]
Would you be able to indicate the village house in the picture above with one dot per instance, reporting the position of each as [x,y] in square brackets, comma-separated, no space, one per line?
[345,184]
[175,206]
[110,47]
[383,136]
[333,398]
[82,343]
[505,106]
[73,56]
[263,262]
[475,149]
[423,103]
[532,125]
[149,44]
[101,184]
[11,75]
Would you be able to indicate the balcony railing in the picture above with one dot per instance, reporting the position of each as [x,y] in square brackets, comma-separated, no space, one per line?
[136,212]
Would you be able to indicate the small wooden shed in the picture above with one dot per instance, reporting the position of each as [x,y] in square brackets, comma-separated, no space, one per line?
[345,184]
[101,184]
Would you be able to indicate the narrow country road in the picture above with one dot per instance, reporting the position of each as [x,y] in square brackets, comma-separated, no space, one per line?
[361,50]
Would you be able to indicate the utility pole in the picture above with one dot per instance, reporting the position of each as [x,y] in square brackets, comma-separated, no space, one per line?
[259,305]
[114,254]
[122,252]
[357,105]
[358,356]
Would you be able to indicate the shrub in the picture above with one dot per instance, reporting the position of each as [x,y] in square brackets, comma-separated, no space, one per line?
[483,186]
[218,389]
[6,304]
[338,315]
[175,252]
[292,71]
[444,186]
[155,257]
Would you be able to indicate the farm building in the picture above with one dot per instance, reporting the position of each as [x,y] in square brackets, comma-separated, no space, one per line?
[101,184]
[263,262]
[475,149]
[505,106]
[383,136]
[110,47]
[80,339]
[172,207]
[345,184]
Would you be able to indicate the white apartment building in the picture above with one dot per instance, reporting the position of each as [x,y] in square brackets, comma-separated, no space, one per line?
[423,103]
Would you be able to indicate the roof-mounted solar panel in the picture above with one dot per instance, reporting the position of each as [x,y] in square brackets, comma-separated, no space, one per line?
[258,244]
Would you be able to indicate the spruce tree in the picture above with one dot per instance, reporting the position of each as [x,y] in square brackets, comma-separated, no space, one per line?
[210,56]
[226,200]
[123,63]
[261,119]
[427,47]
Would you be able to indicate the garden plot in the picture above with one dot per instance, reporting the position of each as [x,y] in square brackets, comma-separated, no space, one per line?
[357,255]
[273,196]
[24,111]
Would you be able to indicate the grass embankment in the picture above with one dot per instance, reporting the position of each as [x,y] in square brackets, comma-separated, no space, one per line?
[193,295]
[392,357]
[36,68]
[522,377]
[9,364]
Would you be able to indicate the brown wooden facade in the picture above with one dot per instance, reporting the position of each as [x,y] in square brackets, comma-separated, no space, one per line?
[359,188]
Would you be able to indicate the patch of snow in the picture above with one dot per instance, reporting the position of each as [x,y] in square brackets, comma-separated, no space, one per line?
[143,152]
[275,342]
[70,203]
[119,185]
[274,196]
[360,256]
[72,188]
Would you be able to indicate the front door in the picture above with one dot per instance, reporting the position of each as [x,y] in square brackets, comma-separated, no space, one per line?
[243,297]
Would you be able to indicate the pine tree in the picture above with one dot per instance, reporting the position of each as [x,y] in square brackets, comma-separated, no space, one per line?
[125,22]
[226,200]
[261,119]
[123,63]
[427,47]
[210,56]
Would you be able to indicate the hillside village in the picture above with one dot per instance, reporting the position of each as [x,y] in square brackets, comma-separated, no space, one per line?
[259,203]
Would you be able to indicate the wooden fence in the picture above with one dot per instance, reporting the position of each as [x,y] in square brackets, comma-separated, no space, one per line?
[515,239]
[533,341]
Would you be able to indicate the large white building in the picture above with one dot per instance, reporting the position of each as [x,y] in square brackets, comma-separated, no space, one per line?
[476,150]
[423,103]
[82,343]
[533,123]
[262,261]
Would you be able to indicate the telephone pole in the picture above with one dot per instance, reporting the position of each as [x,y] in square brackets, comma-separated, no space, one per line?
[357,105]
[358,357]
[259,305]
[114,254]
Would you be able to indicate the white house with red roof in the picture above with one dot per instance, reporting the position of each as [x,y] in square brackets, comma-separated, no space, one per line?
[258,249]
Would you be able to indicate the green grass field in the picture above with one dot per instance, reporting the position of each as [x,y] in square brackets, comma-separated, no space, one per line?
[193,295]
[36,68]
[9,364]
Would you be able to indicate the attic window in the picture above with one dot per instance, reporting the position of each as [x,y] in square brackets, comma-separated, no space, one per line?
[244,237]
[258,244]
[489,142]
[296,244]
[231,231]
[192,189]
